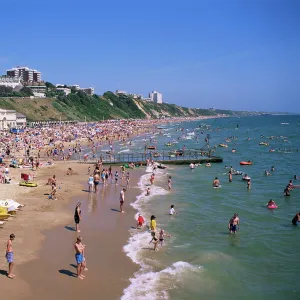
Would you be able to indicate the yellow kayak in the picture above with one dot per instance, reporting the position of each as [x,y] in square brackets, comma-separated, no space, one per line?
[30,184]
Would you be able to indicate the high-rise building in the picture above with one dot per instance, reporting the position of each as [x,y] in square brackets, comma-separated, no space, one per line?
[156,97]
[25,74]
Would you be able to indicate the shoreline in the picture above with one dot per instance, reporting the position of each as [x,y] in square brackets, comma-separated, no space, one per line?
[114,230]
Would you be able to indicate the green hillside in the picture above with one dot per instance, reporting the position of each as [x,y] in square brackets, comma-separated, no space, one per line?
[79,106]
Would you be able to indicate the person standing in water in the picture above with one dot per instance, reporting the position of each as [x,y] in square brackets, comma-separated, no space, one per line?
[122,199]
[249,184]
[153,223]
[154,240]
[234,223]
[10,256]
[230,176]
[296,219]
[91,183]
[77,216]
[169,183]
[162,236]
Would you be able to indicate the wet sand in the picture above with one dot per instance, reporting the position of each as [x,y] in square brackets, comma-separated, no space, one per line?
[105,231]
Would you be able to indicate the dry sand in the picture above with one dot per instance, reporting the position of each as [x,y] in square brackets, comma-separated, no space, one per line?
[43,247]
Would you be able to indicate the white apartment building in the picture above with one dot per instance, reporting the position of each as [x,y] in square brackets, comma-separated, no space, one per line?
[25,74]
[38,91]
[156,97]
[8,118]
[66,91]
[10,81]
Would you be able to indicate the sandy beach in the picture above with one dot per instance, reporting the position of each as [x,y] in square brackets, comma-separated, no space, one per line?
[45,236]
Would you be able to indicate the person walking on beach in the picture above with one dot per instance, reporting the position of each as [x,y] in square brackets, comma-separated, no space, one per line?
[10,256]
[116,178]
[234,223]
[77,216]
[122,199]
[127,179]
[96,181]
[79,256]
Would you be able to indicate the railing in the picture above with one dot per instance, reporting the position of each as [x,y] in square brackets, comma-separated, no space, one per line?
[137,157]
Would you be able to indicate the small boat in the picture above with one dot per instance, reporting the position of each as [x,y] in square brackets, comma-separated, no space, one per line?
[29,184]
[151,147]
[246,163]
[223,145]
[263,144]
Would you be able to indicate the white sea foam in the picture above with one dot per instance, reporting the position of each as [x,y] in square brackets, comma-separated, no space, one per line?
[147,283]
[125,150]
[155,285]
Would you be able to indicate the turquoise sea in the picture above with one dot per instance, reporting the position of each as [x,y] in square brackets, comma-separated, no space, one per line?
[201,260]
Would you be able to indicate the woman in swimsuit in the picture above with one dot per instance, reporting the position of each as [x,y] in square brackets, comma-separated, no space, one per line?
[77,216]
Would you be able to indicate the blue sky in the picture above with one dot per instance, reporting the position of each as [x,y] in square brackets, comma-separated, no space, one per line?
[240,54]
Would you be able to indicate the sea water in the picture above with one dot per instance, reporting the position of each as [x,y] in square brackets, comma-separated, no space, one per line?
[201,260]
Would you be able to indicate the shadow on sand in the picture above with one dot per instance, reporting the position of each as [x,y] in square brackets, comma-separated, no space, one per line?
[114,209]
[3,272]
[67,272]
[70,228]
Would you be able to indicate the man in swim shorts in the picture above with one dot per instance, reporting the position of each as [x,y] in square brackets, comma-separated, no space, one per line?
[234,223]
[79,248]
[10,256]
[122,199]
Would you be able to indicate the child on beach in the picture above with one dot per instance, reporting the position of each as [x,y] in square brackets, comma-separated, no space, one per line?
[162,236]
[10,256]
[140,222]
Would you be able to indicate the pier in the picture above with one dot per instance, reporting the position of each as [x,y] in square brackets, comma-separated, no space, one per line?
[163,157]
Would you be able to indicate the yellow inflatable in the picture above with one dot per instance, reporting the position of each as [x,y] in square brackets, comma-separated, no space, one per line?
[30,184]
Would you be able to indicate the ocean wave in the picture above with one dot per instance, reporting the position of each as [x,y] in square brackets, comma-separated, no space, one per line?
[155,285]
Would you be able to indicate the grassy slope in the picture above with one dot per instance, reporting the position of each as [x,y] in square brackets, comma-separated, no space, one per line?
[108,106]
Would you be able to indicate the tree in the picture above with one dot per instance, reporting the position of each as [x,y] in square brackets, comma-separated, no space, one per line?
[49,85]
[26,91]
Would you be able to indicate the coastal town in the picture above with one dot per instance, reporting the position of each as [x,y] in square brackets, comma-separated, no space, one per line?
[28,83]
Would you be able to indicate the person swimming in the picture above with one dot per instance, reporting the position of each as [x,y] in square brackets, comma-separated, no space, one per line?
[216,182]
[296,219]
[271,203]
